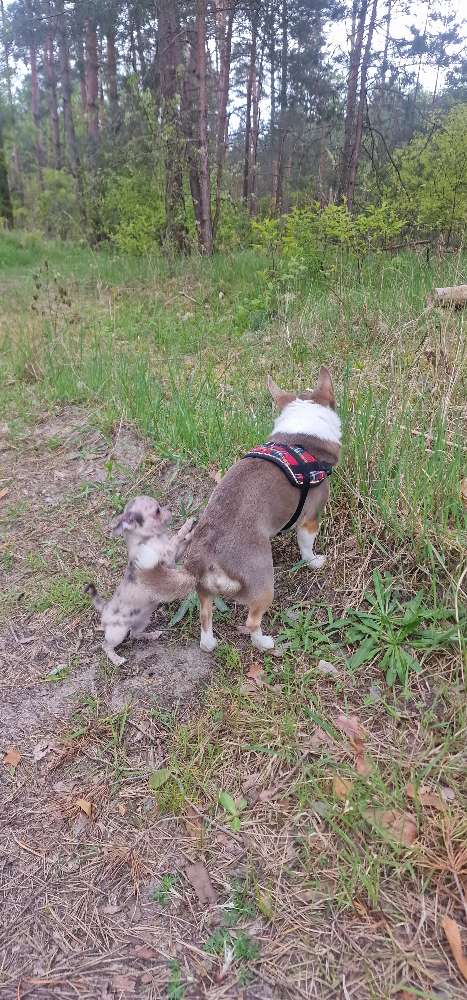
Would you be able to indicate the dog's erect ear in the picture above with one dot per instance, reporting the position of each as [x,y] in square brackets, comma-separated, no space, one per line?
[280,396]
[324,392]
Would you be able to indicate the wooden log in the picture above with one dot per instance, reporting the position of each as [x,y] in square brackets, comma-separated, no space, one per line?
[453,295]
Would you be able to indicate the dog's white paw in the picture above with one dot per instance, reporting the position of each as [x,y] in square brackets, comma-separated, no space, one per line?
[316,562]
[114,658]
[208,642]
[261,641]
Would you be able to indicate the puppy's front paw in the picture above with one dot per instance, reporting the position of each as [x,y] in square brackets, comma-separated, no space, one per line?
[187,528]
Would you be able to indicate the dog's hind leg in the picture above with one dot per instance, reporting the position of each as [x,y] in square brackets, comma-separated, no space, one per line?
[256,611]
[208,642]
[114,635]
[306,536]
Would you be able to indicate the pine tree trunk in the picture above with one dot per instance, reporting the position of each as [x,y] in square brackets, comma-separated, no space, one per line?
[203,149]
[170,59]
[6,55]
[112,89]
[249,98]
[92,84]
[385,62]
[51,79]
[6,208]
[282,132]
[358,22]
[79,46]
[189,116]
[225,27]
[140,47]
[272,63]
[36,114]
[256,99]
[73,152]
[357,143]
[284,55]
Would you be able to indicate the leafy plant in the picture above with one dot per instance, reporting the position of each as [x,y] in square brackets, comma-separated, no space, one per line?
[175,987]
[233,807]
[162,892]
[302,633]
[191,604]
[243,947]
[392,632]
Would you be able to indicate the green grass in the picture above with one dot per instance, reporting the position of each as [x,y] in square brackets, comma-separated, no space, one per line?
[180,349]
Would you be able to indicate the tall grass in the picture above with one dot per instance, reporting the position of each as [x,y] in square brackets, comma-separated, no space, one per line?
[169,345]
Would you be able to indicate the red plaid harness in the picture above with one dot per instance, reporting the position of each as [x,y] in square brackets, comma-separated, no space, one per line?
[302,469]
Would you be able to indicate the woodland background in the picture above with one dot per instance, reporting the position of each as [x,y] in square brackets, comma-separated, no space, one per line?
[295,124]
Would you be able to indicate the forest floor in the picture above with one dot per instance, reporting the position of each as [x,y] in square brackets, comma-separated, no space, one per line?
[229,826]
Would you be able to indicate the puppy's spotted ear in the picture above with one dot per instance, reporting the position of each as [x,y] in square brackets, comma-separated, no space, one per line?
[324,392]
[120,524]
[116,526]
[280,396]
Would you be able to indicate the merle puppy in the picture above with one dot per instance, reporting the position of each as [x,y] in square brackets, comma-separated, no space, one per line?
[144,525]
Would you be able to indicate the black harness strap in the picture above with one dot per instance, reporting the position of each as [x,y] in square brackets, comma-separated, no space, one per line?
[305,474]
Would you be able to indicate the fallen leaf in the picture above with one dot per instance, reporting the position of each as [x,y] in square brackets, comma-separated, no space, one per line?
[158,778]
[464,492]
[80,824]
[350,725]
[123,984]
[447,794]
[144,951]
[341,787]
[194,825]
[327,669]
[400,827]
[269,793]
[198,876]
[320,738]
[121,808]
[12,757]
[85,806]
[256,674]
[453,934]
[428,799]
[362,765]
[251,781]
[4,492]
[41,750]
[352,728]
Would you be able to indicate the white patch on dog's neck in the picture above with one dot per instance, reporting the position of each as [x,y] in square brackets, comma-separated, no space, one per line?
[305,417]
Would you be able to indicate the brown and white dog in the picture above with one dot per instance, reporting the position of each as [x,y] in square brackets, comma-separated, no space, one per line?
[230,552]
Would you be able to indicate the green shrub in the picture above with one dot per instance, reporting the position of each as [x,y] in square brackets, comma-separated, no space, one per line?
[429,187]
[52,209]
[132,212]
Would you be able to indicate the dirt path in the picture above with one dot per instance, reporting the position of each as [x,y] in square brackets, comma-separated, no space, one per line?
[110,889]
[77,891]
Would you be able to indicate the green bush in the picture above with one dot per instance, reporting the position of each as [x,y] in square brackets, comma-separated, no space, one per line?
[303,243]
[132,212]
[52,209]
[429,186]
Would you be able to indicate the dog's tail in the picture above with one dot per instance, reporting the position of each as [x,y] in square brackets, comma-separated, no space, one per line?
[97,601]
